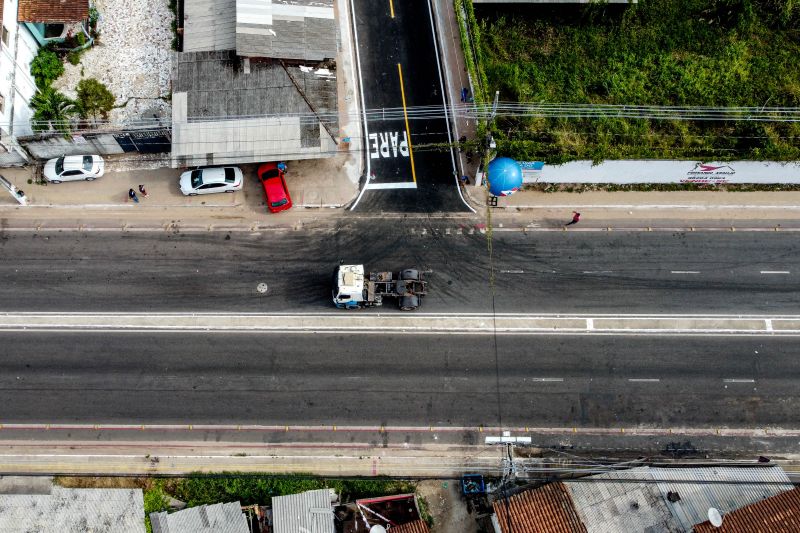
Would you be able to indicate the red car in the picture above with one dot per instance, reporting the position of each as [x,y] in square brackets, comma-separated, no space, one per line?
[275,190]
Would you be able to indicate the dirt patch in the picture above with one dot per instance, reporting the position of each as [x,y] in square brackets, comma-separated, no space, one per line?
[448,510]
[80,482]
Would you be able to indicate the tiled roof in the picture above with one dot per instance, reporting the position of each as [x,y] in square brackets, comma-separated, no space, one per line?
[778,514]
[52,10]
[417,526]
[548,509]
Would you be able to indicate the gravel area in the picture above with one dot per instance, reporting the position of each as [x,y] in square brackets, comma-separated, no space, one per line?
[132,58]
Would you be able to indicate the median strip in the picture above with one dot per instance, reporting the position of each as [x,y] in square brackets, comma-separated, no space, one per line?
[406,323]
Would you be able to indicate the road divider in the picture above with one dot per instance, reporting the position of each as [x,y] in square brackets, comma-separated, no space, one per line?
[407,324]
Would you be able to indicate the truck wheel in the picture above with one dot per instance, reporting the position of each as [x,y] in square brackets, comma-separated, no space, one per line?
[409,303]
[410,274]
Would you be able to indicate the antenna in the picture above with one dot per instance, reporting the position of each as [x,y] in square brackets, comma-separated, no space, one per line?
[714,516]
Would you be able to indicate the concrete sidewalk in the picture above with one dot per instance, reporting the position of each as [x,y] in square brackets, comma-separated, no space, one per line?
[316,186]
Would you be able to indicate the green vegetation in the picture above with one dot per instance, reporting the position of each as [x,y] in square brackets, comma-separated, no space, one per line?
[52,111]
[658,52]
[46,67]
[94,99]
[199,489]
[155,500]
[248,489]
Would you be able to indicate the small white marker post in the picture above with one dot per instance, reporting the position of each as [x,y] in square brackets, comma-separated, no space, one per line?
[18,195]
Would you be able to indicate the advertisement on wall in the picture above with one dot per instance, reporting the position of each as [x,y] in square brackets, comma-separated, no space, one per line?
[652,171]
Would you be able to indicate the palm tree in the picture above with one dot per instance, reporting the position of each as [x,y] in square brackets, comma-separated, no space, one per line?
[52,111]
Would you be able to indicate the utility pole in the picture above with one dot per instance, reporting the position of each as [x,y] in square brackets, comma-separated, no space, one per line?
[18,195]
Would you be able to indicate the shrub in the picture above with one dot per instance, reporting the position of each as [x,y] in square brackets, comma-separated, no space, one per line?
[46,67]
[94,99]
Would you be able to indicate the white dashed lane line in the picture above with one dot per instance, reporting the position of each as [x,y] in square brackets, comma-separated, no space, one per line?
[739,381]
[684,271]
[644,380]
[775,272]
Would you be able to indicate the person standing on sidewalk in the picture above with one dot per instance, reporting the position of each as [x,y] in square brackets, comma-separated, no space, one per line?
[132,195]
[576,217]
[143,191]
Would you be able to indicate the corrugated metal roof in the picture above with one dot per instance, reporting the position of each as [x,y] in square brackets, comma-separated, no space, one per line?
[216,518]
[621,506]
[778,514]
[302,30]
[548,509]
[309,512]
[726,488]
[52,10]
[85,510]
[273,118]
[609,503]
[209,25]
[417,526]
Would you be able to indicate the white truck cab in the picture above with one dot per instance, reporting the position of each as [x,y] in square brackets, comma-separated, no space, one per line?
[348,286]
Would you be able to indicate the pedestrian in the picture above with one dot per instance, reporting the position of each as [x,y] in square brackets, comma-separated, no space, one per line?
[282,167]
[576,217]
[464,94]
[461,142]
[143,191]
[132,195]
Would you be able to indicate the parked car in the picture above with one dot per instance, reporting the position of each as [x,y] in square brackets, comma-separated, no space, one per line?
[211,180]
[74,168]
[275,190]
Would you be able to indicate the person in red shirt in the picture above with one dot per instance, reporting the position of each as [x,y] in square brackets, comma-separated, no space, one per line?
[576,217]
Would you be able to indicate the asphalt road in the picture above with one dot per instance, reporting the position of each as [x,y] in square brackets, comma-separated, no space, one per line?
[400,74]
[398,380]
[571,272]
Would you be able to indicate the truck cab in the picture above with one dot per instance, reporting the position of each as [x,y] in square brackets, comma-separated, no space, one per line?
[348,286]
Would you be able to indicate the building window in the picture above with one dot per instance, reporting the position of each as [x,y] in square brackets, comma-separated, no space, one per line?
[4,36]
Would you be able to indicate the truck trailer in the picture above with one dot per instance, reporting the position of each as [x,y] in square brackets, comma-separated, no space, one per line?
[352,289]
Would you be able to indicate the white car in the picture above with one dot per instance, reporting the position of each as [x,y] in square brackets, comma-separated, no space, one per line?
[74,168]
[210,180]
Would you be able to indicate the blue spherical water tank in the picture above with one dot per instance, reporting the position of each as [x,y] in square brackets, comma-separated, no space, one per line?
[504,176]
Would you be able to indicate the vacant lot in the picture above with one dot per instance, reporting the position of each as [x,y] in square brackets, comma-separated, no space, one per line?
[717,53]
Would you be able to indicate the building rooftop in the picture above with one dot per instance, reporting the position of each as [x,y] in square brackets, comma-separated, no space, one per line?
[209,25]
[778,514]
[216,518]
[310,512]
[52,10]
[653,499]
[300,30]
[417,526]
[548,509]
[106,510]
[228,109]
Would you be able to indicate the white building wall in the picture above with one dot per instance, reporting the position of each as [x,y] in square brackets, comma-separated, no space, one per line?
[19,59]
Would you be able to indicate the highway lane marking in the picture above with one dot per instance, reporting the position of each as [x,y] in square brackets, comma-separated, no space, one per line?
[391,7]
[644,380]
[403,324]
[684,271]
[734,380]
[775,272]
[597,271]
[547,380]
[408,129]
[512,271]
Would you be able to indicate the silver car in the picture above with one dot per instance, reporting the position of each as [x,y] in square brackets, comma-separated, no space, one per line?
[211,180]
[74,168]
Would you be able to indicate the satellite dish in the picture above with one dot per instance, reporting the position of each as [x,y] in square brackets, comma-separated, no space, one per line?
[377,529]
[714,517]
